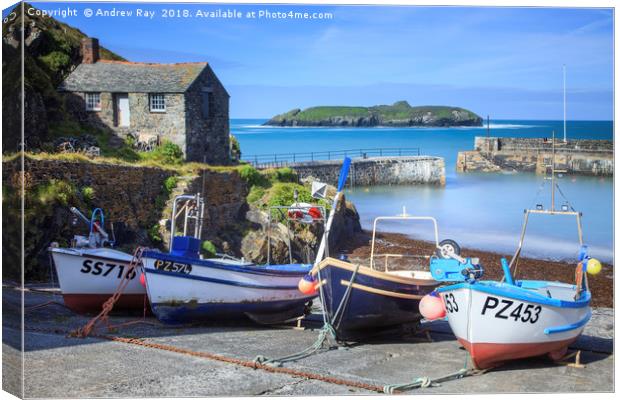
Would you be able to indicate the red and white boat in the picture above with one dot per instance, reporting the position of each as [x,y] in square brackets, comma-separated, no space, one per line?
[497,321]
[89,272]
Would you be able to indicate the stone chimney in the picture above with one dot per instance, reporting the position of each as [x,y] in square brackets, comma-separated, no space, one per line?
[90,50]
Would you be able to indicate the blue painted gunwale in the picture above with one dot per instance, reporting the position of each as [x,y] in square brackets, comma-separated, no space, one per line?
[569,327]
[215,280]
[273,270]
[519,293]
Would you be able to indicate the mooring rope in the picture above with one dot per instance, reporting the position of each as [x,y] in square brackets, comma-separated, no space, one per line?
[425,381]
[326,333]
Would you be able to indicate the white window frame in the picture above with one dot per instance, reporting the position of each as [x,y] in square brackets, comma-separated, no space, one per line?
[93,101]
[157,102]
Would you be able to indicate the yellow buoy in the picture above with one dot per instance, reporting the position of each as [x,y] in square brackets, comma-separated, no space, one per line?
[594,266]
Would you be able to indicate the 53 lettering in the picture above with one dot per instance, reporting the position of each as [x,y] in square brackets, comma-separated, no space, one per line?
[104,269]
[451,305]
[169,266]
[510,309]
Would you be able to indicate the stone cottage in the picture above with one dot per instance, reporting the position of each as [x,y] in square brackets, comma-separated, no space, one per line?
[183,103]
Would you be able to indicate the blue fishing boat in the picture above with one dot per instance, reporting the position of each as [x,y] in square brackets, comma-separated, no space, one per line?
[183,287]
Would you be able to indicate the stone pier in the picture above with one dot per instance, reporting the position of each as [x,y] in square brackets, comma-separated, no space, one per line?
[576,156]
[378,170]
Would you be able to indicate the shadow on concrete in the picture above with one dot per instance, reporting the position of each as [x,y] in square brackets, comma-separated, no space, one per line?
[56,320]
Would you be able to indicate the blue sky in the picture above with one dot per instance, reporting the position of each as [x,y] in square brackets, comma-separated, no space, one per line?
[506,62]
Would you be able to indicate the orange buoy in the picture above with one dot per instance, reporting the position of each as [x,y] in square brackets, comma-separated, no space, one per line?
[307,285]
[432,307]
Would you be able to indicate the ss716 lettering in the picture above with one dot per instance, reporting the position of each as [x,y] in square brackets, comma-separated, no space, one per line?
[100,268]
[510,309]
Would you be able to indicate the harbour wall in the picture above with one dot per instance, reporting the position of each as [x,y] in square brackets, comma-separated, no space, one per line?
[134,198]
[135,195]
[581,157]
[126,193]
[377,171]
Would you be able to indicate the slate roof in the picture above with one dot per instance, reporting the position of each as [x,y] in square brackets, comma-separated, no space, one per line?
[121,76]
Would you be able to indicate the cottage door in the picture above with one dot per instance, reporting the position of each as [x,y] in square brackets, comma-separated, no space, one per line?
[122,101]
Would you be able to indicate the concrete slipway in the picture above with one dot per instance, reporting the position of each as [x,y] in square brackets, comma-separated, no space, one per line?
[61,366]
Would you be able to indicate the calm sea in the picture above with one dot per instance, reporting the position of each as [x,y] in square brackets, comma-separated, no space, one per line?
[482,211]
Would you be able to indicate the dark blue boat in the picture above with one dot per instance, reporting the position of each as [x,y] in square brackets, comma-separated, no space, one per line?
[362,301]
[375,300]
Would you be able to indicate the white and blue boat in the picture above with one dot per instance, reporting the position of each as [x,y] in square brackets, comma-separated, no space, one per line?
[183,287]
[513,319]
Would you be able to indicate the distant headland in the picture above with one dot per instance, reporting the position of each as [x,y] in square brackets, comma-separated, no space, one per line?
[397,114]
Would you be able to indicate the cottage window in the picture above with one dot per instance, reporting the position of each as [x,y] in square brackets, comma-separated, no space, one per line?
[93,101]
[157,102]
[207,98]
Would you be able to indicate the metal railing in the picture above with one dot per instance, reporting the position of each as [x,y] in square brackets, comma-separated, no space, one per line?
[287,159]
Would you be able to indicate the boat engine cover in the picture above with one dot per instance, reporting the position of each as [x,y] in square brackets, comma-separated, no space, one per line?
[451,270]
[186,246]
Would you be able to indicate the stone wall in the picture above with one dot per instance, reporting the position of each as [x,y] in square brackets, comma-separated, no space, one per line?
[378,171]
[208,136]
[225,206]
[585,157]
[128,195]
[542,145]
[125,193]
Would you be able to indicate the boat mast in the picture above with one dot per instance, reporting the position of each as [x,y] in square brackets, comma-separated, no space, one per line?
[553,171]
[564,80]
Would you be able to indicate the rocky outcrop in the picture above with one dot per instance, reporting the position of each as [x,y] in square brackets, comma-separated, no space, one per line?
[304,239]
[51,51]
[397,114]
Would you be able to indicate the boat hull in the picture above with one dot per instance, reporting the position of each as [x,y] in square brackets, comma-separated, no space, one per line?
[497,323]
[377,300]
[89,277]
[206,290]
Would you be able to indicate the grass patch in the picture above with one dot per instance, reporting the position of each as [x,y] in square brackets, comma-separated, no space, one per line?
[276,187]
[88,194]
[256,194]
[235,148]
[154,234]
[251,175]
[167,153]
[282,194]
[208,249]
[170,184]
[41,210]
